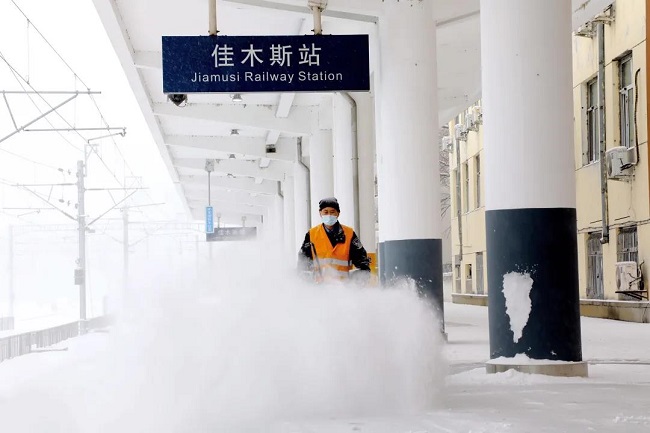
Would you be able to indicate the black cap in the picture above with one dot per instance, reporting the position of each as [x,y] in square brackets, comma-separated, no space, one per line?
[329,202]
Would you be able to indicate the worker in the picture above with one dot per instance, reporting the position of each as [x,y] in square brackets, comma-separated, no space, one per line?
[331,249]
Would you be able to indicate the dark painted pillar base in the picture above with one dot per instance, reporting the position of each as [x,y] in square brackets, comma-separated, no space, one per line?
[418,259]
[543,244]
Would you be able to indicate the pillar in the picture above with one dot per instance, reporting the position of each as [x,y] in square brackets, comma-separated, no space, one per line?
[302,204]
[344,138]
[409,182]
[289,217]
[530,179]
[320,167]
[366,230]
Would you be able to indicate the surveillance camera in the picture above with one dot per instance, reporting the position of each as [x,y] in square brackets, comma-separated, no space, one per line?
[179,99]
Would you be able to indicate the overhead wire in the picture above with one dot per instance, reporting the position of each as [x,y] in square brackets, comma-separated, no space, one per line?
[49,44]
[18,78]
[17,74]
[137,180]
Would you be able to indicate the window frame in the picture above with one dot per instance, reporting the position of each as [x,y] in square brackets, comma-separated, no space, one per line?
[595,270]
[465,173]
[627,244]
[592,119]
[626,102]
[477,170]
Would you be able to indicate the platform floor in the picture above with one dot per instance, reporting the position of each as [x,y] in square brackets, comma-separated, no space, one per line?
[63,391]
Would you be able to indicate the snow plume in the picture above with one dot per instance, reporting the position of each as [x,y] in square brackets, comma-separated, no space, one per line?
[238,346]
[516,289]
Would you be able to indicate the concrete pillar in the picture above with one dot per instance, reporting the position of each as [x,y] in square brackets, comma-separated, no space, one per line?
[366,170]
[290,245]
[530,179]
[344,137]
[276,216]
[302,204]
[321,171]
[409,182]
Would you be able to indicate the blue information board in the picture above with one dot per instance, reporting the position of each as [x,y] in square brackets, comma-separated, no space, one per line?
[240,64]
[232,234]
[209,219]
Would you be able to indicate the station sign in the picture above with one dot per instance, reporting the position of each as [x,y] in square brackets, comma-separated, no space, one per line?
[241,64]
[209,219]
[231,234]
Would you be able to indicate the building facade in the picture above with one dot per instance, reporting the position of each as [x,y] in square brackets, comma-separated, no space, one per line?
[613,199]
[465,144]
[613,203]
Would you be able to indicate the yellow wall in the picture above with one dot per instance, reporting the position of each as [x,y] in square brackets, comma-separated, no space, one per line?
[473,220]
[629,202]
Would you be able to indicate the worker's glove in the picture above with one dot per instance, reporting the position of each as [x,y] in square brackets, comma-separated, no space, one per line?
[360,278]
[306,275]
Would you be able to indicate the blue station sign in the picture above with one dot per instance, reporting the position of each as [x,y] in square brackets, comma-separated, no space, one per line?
[209,219]
[231,234]
[241,64]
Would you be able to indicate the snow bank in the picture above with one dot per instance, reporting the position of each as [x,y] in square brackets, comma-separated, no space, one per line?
[240,345]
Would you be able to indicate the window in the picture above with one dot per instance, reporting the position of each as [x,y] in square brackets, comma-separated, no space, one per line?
[468,278]
[466,185]
[457,278]
[477,164]
[479,274]
[595,287]
[593,139]
[454,187]
[626,92]
[627,245]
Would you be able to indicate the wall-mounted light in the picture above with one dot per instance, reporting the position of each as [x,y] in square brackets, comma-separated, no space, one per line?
[237,97]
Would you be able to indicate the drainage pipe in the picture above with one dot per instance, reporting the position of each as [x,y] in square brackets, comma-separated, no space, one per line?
[604,198]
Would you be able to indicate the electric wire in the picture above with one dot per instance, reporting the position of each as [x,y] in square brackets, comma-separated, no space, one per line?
[19,77]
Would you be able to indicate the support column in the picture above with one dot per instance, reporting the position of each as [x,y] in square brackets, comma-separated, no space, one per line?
[366,170]
[290,245]
[321,161]
[346,178]
[409,182]
[276,212]
[302,204]
[530,180]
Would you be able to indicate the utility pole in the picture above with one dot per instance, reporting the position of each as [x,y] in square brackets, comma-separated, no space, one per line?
[10,264]
[12,295]
[80,272]
[125,242]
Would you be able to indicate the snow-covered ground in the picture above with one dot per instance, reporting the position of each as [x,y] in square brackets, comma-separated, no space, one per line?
[248,352]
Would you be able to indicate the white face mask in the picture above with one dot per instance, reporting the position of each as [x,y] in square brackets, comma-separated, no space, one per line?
[329,220]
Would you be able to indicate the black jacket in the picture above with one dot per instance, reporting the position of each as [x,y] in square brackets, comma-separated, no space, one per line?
[358,255]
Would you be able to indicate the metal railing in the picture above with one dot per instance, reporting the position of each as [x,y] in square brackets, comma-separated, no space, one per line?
[28,342]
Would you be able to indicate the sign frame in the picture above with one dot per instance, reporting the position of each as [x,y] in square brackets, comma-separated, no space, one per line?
[209,219]
[223,234]
[246,64]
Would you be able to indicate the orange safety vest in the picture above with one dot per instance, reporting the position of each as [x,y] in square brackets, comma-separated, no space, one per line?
[330,262]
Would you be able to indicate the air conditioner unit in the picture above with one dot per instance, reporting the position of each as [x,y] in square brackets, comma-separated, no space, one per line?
[627,274]
[460,132]
[478,115]
[620,161]
[447,142]
[470,121]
